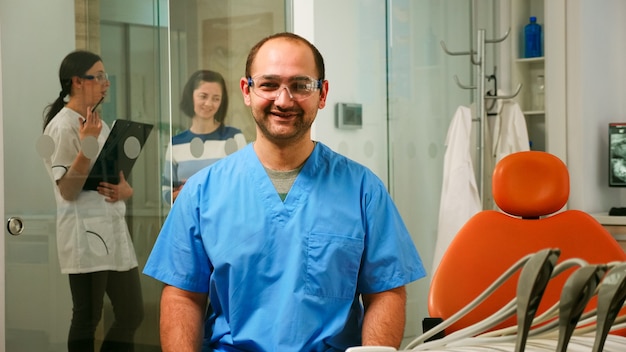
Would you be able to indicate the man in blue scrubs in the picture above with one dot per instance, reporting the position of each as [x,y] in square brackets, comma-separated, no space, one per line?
[297,247]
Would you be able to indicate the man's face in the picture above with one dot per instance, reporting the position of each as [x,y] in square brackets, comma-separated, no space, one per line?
[284,120]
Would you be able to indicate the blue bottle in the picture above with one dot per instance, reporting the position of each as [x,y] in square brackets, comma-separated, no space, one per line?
[532,38]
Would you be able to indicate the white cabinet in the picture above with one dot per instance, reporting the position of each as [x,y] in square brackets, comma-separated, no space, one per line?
[615,225]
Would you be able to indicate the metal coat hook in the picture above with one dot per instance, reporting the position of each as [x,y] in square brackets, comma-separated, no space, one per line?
[472,52]
[499,39]
[455,53]
[456,79]
[459,53]
[477,58]
[493,78]
[517,90]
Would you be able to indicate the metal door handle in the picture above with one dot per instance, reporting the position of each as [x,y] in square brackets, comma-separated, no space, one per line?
[15,226]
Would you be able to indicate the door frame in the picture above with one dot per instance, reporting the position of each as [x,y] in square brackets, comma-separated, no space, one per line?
[2,278]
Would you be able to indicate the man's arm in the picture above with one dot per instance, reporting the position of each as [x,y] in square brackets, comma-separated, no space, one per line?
[385,316]
[182,319]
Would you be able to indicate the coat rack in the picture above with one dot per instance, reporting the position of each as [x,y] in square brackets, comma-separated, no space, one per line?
[477,57]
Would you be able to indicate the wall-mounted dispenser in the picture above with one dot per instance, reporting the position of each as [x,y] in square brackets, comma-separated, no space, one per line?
[348,116]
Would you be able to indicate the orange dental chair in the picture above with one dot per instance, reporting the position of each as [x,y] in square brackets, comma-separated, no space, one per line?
[530,188]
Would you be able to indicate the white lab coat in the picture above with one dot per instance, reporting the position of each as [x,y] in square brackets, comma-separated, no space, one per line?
[506,133]
[459,194]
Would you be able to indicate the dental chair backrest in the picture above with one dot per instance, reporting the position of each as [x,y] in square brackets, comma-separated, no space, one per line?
[530,188]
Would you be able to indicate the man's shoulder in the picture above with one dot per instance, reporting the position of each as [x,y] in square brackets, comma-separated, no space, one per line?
[334,159]
[346,169]
[238,159]
[229,168]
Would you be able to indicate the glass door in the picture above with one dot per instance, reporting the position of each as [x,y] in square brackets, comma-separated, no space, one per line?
[132,43]
[422,99]
[37,303]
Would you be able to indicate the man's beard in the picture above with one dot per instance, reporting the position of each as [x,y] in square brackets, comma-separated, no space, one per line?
[298,128]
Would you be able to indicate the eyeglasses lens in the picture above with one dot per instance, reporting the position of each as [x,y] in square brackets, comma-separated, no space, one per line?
[102,77]
[270,87]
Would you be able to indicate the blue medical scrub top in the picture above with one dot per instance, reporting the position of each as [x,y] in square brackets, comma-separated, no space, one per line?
[284,276]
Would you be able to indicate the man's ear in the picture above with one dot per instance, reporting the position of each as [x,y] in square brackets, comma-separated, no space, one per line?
[323,94]
[245,90]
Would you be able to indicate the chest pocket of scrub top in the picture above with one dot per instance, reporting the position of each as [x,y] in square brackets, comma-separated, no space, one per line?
[332,265]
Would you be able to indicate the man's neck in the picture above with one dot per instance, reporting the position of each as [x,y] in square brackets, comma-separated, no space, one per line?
[283,157]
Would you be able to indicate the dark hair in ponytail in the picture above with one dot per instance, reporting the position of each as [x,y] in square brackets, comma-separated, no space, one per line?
[76,63]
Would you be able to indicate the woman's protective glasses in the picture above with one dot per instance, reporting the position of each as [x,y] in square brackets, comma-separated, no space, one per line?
[101,77]
[270,87]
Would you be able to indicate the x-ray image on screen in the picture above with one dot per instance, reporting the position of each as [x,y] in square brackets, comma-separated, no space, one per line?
[617,155]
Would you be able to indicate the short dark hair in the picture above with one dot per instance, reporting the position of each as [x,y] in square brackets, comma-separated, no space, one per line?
[319,60]
[186,101]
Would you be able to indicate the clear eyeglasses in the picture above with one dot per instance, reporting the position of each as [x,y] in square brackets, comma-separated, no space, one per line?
[270,87]
[101,77]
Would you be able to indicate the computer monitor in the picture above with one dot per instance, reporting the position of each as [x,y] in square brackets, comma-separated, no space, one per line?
[617,154]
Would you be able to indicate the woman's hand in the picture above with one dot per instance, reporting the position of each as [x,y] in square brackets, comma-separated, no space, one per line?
[91,125]
[71,184]
[113,193]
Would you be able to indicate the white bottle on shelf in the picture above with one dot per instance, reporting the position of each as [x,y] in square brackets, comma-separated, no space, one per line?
[538,93]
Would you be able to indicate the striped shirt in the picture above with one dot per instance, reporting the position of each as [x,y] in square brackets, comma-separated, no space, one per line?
[189,153]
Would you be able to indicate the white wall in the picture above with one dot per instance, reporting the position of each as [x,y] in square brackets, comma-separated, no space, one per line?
[354,50]
[596,76]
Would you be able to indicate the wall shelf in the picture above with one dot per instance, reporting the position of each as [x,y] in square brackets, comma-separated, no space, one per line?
[526,70]
[539,59]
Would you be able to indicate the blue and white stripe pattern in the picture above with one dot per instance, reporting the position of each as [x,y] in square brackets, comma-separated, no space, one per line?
[189,153]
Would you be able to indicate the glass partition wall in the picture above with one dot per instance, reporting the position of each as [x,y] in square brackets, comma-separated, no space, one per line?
[423,96]
[133,43]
